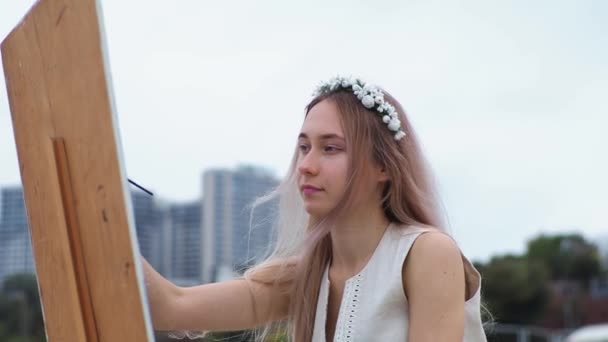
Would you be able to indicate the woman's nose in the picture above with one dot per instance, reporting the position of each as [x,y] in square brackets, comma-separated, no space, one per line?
[308,164]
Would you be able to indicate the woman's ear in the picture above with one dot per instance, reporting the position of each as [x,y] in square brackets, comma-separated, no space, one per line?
[382,174]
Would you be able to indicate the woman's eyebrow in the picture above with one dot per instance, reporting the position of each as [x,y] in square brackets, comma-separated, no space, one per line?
[326,136]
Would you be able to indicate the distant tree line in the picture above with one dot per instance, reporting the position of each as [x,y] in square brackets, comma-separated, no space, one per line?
[518,289]
[20,310]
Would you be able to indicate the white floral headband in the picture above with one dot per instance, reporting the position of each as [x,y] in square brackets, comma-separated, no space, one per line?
[371,97]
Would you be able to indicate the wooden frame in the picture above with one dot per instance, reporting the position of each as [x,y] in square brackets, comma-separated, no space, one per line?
[75,187]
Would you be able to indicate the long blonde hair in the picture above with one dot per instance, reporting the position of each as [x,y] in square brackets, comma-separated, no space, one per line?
[302,250]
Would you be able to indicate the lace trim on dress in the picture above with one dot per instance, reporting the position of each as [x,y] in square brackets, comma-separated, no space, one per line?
[352,294]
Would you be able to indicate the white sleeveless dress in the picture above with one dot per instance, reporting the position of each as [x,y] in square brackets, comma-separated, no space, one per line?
[374,306]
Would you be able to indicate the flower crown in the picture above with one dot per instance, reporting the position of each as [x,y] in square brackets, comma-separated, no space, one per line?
[370,96]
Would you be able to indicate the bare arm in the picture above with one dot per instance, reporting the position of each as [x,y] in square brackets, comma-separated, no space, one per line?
[433,280]
[220,306]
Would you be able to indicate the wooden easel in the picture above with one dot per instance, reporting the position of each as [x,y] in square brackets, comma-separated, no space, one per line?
[79,210]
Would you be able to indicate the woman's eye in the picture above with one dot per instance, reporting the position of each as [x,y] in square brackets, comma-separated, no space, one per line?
[303,147]
[331,148]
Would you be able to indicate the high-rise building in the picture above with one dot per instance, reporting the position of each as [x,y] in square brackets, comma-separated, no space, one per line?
[15,243]
[232,239]
[150,227]
[185,228]
[251,235]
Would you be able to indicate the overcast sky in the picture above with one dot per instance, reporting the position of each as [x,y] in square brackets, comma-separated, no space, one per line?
[509,98]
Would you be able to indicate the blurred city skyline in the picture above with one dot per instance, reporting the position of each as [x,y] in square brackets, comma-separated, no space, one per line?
[507,99]
[212,238]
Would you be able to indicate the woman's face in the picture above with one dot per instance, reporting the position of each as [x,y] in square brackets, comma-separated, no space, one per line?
[322,159]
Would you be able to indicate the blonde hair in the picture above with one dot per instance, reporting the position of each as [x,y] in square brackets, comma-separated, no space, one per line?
[302,250]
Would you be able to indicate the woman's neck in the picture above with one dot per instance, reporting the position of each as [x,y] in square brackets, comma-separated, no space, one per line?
[354,240]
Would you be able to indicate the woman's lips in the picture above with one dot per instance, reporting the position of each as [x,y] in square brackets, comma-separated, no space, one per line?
[309,190]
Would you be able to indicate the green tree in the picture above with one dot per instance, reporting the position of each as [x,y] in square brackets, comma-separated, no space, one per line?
[566,256]
[514,288]
[20,309]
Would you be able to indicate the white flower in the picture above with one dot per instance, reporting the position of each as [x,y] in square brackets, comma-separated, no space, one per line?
[399,135]
[368,101]
[372,89]
[394,124]
[361,94]
[358,91]
[386,119]
[347,82]
[379,99]
[384,107]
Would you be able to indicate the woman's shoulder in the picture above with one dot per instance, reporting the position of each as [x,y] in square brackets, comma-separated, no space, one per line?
[426,239]
[429,246]
[408,229]
[434,249]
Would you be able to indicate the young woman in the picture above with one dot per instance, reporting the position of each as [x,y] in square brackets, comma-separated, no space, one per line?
[362,254]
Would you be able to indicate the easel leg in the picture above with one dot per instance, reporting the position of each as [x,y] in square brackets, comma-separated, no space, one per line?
[67,199]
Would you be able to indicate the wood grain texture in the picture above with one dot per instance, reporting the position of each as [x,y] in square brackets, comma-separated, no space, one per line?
[75,240]
[78,210]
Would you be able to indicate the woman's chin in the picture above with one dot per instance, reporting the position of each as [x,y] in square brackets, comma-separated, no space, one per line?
[315,211]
